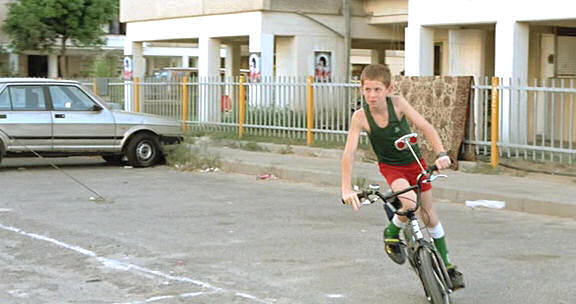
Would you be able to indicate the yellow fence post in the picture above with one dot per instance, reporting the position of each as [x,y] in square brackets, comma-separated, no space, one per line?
[95,86]
[310,110]
[136,94]
[241,106]
[185,103]
[495,153]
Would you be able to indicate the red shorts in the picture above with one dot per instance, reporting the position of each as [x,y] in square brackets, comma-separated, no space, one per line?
[408,172]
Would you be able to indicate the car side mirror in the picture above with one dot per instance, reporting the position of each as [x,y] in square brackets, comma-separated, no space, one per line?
[97,108]
[114,106]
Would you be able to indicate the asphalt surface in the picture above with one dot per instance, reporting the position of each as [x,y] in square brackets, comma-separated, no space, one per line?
[168,236]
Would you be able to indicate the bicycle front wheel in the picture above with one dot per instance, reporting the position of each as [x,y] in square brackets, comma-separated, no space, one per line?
[431,277]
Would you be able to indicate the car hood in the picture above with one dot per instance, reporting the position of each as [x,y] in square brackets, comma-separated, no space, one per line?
[123,117]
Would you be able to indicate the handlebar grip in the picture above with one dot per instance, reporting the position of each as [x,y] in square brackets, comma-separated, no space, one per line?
[360,197]
[432,168]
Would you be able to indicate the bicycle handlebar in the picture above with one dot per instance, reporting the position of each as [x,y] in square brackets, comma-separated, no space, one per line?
[426,176]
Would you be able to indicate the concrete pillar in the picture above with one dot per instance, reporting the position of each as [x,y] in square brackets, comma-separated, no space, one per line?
[419,51]
[547,45]
[512,43]
[286,70]
[185,61]
[512,50]
[139,61]
[264,44]
[467,54]
[134,51]
[209,56]
[14,62]
[150,65]
[232,70]
[52,66]
[285,56]
[378,56]
[209,105]
[232,61]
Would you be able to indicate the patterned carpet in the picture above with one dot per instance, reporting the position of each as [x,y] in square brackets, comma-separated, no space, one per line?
[444,102]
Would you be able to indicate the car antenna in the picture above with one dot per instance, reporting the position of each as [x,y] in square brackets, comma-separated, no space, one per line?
[99,197]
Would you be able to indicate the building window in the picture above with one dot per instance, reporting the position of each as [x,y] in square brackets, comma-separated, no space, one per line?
[117,28]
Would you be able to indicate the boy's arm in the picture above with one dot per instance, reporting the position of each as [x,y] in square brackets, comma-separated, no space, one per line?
[348,194]
[442,161]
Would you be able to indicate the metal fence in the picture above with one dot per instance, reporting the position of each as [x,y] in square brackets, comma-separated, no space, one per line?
[536,121]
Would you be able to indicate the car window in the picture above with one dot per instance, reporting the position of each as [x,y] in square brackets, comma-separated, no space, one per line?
[27,98]
[70,98]
[5,101]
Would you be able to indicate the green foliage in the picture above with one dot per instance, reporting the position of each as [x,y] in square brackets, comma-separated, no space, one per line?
[249,146]
[189,157]
[104,66]
[43,24]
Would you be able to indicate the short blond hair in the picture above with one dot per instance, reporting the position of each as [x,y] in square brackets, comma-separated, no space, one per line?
[378,72]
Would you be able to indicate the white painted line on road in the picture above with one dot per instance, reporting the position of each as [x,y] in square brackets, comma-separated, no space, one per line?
[247,296]
[5,210]
[117,265]
[161,298]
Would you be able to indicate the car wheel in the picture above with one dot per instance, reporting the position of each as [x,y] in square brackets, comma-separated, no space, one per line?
[113,159]
[143,150]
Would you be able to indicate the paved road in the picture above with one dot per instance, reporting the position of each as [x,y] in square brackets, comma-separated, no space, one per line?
[167,236]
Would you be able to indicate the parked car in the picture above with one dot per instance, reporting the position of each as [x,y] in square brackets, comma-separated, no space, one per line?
[62,118]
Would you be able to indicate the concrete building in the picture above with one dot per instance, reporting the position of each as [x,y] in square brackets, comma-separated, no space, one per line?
[524,42]
[521,40]
[278,37]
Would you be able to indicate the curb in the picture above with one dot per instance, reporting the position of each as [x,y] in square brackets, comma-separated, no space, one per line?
[441,191]
[476,187]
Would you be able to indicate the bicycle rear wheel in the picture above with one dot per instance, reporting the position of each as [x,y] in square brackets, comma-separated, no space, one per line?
[431,277]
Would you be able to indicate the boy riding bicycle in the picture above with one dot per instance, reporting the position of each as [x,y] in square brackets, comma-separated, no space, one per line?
[385,117]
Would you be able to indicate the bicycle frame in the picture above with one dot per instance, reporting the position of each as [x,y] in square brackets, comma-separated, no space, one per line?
[414,240]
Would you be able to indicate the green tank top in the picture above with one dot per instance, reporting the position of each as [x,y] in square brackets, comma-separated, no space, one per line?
[382,139]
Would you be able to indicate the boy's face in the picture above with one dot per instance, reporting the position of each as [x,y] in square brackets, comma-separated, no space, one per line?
[375,92]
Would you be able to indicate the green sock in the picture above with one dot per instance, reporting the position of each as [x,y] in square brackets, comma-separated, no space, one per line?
[392,231]
[443,250]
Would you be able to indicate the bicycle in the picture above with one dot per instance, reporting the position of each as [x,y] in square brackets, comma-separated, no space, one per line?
[421,252]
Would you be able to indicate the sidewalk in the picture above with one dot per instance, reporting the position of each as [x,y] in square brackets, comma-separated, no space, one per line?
[538,195]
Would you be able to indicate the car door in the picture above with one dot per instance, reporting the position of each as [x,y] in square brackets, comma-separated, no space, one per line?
[80,123]
[25,120]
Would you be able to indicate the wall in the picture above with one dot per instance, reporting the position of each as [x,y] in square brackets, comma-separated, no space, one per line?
[387,11]
[140,10]
[427,12]
[193,27]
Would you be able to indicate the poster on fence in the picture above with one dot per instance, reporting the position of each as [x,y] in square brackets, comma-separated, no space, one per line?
[254,62]
[128,69]
[323,66]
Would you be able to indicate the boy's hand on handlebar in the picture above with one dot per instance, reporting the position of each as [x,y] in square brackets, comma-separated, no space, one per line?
[351,197]
[443,162]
